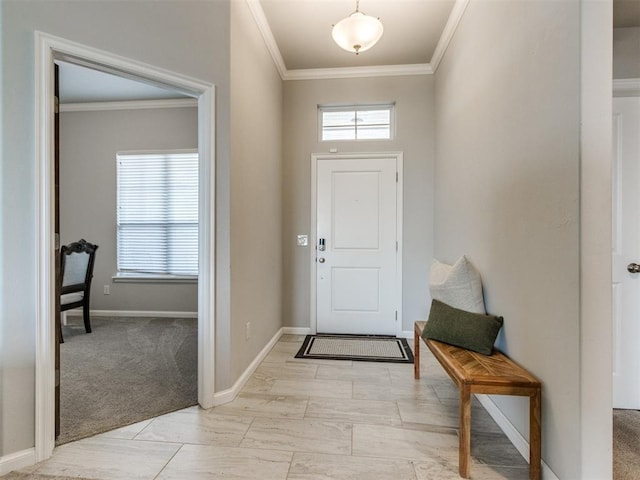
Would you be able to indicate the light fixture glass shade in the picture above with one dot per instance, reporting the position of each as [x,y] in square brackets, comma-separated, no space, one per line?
[357,33]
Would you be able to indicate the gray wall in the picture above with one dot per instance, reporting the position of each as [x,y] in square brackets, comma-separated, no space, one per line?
[414,136]
[507,194]
[89,142]
[188,37]
[256,183]
[626,52]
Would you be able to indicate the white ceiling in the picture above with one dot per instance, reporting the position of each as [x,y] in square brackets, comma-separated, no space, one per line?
[302,31]
[81,85]
[626,13]
[298,33]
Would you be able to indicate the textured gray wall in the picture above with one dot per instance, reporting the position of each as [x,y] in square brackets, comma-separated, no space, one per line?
[256,184]
[507,194]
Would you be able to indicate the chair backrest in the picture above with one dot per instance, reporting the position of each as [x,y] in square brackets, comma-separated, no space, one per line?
[76,264]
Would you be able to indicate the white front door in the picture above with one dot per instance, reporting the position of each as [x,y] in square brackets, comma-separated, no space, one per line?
[626,253]
[356,246]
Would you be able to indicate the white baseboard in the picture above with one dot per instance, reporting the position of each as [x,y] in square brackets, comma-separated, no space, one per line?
[406,334]
[307,331]
[296,331]
[512,433]
[133,313]
[226,396]
[18,460]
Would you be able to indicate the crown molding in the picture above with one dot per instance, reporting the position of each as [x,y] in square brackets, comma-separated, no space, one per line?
[447,34]
[129,105]
[356,72]
[263,25]
[626,87]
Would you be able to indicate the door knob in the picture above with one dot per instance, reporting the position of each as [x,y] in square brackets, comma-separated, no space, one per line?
[633,268]
[321,260]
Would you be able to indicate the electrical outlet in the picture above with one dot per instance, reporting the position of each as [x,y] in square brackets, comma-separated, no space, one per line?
[106,290]
[247,331]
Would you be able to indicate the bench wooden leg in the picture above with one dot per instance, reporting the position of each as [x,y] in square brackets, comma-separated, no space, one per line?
[464,461]
[416,353]
[535,436]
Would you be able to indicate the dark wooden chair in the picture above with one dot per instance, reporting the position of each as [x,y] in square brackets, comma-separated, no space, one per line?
[76,272]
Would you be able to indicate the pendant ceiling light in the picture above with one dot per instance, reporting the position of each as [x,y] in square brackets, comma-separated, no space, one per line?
[358,32]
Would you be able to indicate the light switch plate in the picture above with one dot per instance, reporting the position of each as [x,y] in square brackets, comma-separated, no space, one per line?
[303,240]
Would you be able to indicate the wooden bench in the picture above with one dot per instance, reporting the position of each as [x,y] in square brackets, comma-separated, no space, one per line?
[476,373]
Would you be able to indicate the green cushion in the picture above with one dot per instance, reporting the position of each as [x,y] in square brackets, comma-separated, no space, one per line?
[473,331]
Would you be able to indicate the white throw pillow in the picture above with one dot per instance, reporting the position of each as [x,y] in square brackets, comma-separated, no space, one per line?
[458,285]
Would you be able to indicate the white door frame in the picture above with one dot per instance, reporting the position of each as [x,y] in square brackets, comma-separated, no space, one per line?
[48,48]
[317,157]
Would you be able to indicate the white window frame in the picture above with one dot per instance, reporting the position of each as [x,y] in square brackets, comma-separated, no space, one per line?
[391,107]
[144,277]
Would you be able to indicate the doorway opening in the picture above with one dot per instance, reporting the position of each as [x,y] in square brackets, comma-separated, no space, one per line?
[128,161]
[48,50]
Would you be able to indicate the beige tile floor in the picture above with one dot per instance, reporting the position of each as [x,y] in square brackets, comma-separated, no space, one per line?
[304,420]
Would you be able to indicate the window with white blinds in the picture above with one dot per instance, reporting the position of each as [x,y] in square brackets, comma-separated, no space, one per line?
[157,217]
[356,122]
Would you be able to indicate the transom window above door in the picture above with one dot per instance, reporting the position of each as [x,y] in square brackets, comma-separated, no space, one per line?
[356,122]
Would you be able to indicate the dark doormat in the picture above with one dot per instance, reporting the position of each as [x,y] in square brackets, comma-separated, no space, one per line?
[363,348]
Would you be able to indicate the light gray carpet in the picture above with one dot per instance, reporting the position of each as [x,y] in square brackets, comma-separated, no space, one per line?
[626,445]
[128,370]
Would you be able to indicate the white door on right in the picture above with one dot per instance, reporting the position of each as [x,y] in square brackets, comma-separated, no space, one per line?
[626,253]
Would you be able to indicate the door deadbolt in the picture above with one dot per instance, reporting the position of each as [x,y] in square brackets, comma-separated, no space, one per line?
[633,268]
